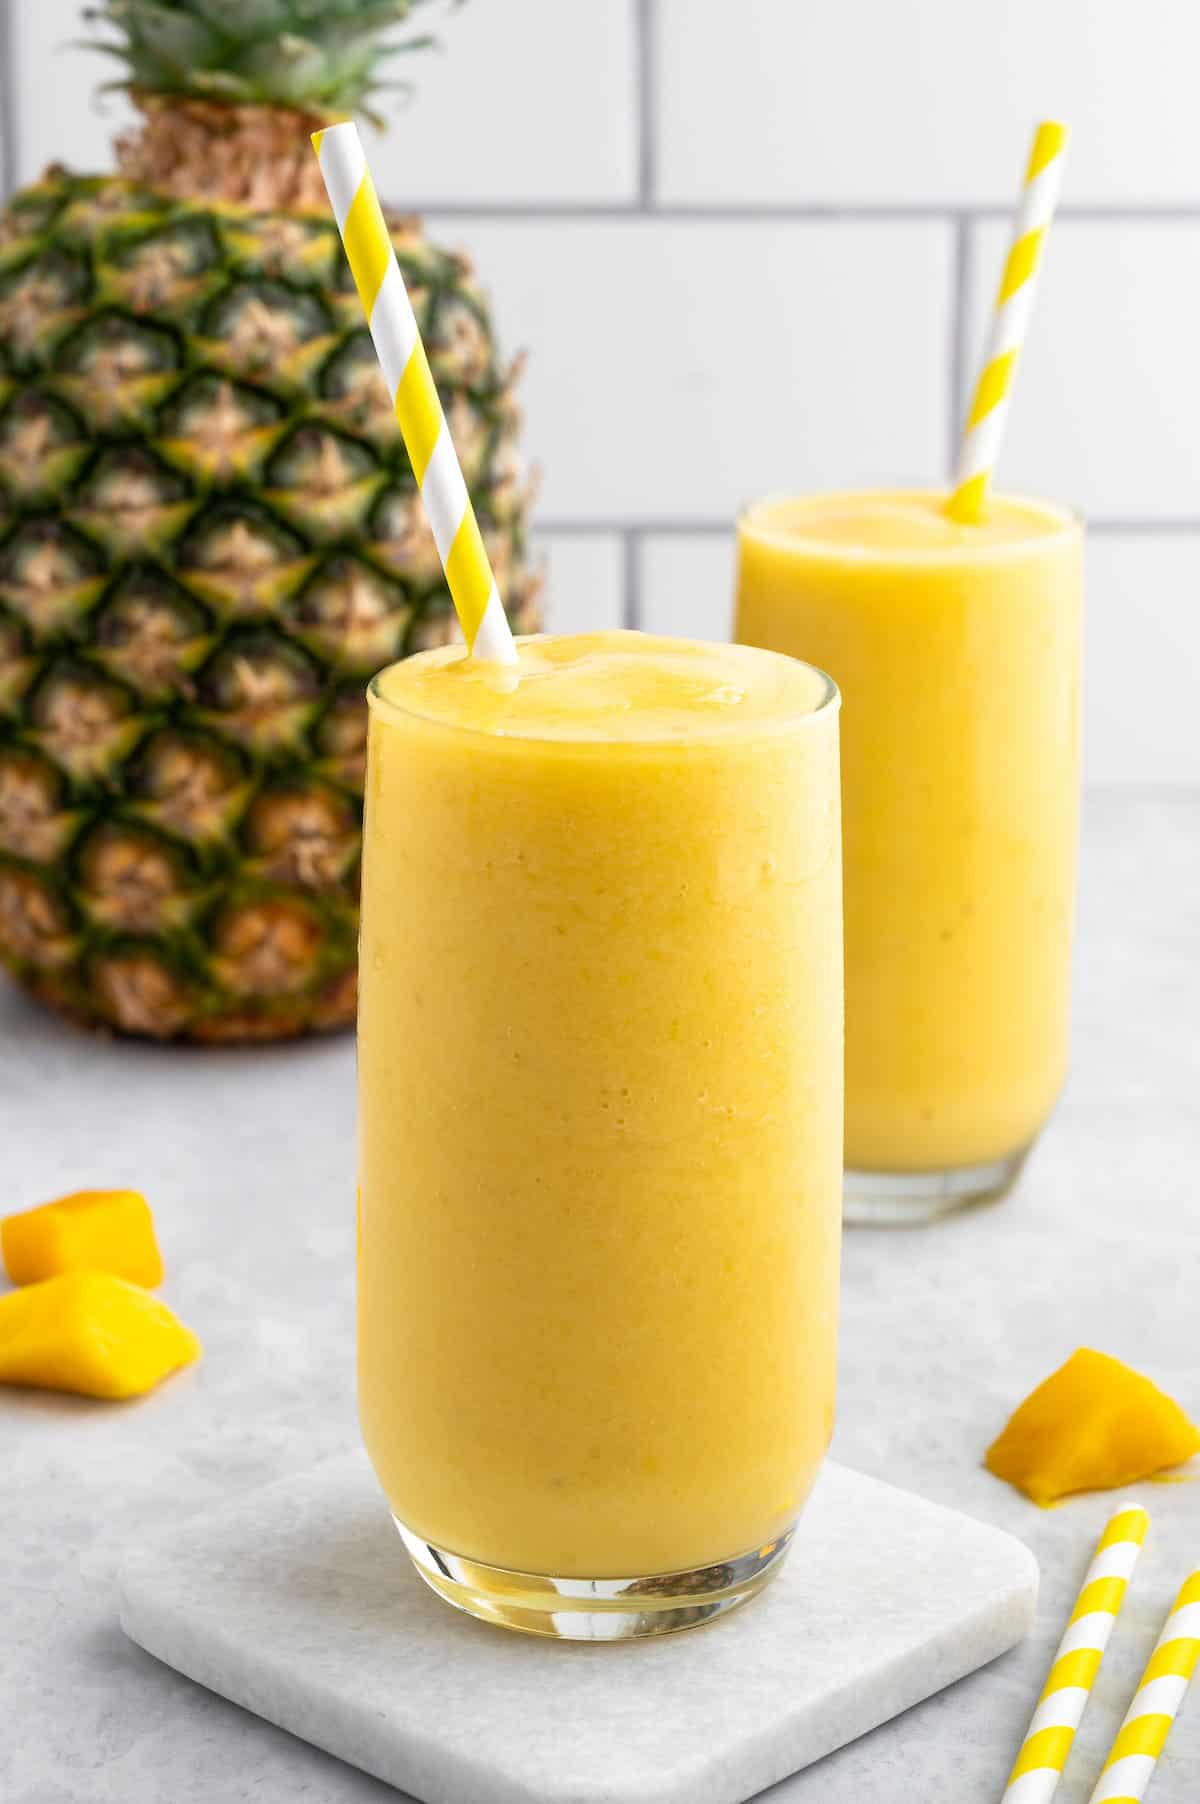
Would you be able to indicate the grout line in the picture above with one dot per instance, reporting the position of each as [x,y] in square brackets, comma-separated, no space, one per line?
[865,212]
[8,100]
[639,530]
[960,279]
[646,76]
[1144,528]
[1143,789]
[631,571]
[1129,213]
[601,211]
[567,528]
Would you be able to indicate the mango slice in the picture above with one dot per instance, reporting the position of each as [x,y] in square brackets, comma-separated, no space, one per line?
[1093,1425]
[92,1333]
[91,1230]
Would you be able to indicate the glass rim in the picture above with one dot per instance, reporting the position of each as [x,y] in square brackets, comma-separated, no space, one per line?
[1068,524]
[828,701]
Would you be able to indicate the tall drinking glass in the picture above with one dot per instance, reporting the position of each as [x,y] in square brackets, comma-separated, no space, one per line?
[956,649]
[600,1050]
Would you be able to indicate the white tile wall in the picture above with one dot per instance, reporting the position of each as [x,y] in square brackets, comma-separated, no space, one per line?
[585,580]
[1143,657]
[753,247]
[61,116]
[7,136]
[1103,409]
[840,102]
[686,585]
[531,101]
[681,368]
[487,118]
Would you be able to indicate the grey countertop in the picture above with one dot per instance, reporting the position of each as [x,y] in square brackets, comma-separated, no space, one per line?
[247,1157]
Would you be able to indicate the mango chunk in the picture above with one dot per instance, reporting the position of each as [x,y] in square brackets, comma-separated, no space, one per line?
[1093,1425]
[91,1230]
[91,1333]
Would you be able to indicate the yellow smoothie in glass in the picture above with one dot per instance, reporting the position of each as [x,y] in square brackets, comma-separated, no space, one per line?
[956,649]
[600,1055]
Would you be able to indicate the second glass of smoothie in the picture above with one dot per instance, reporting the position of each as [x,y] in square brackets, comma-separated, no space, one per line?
[956,650]
[600,1065]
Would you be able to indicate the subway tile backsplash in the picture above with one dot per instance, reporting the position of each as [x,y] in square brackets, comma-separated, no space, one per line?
[754,248]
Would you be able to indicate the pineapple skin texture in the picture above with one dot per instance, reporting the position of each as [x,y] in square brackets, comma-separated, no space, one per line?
[92,1334]
[90,1230]
[210,539]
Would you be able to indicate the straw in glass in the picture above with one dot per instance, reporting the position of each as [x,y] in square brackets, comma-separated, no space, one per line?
[406,371]
[985,424]
[1060,1708]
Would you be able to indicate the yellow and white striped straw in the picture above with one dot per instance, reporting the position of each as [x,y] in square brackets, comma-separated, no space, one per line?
[1065,1694]
[406,371]
[984,429]
[1134,1754]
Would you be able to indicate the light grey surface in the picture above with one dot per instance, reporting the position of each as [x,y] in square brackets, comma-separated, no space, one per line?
[294,1602]
[248,1159]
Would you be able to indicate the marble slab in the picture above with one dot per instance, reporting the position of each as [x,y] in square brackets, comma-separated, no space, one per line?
[298,1603]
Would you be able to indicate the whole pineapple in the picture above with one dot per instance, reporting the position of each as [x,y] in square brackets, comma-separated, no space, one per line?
[210,536]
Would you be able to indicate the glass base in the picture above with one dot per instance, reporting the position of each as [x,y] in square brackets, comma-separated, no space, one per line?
[578,1609]
[908,1198]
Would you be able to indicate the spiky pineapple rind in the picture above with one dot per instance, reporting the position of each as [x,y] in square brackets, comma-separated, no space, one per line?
[210,537]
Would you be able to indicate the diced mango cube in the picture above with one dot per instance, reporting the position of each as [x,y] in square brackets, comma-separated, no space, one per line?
[92,1333]
[1093,1425]
[91,1230]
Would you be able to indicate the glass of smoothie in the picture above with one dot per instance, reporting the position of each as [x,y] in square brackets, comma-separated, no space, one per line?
[600,1063]
[956,650]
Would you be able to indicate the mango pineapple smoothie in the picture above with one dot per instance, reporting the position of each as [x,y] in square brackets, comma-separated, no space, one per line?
[956,649]
[600,1094]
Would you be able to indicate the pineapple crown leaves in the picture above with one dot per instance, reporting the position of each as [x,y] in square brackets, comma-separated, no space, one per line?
[317,56]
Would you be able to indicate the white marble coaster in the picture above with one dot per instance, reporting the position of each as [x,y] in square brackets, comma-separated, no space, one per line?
[299,1603]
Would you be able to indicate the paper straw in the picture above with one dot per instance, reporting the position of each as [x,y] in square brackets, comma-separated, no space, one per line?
[1064,1696]
[372,259]
[1134,1754]
[984,429]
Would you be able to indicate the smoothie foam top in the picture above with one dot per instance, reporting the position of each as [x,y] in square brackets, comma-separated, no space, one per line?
[905,522]
[607,686]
